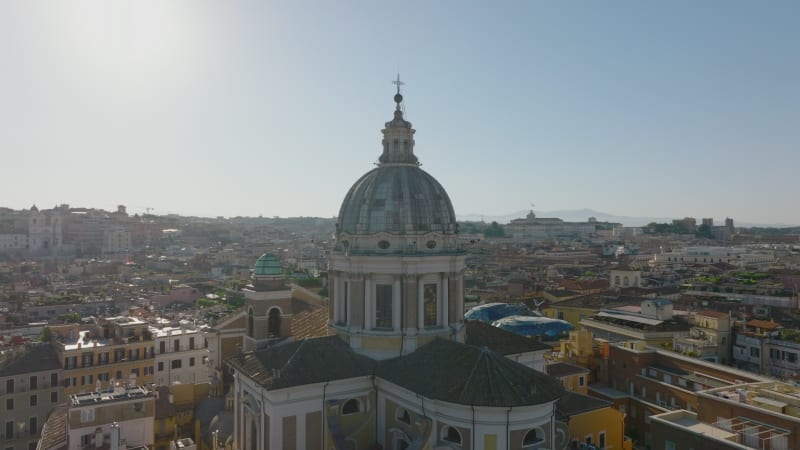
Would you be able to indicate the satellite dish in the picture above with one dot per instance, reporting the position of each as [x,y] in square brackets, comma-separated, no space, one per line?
[562,436]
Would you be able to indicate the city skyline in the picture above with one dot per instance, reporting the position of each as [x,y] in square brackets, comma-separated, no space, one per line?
[662,110]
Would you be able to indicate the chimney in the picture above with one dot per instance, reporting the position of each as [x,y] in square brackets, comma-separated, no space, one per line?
[114,436]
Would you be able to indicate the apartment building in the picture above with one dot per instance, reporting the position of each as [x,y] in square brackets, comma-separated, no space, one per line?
[748,348]
[644,381]
[29,389]
[123,412]
[115,350]
[181,355]
[761,416]
[709,337]
[653,323]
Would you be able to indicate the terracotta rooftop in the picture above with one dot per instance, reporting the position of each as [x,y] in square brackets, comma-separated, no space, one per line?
[755,323]
[709,313]
[54,431]
[572,403]
[36,358]
[310,324]
[562,369]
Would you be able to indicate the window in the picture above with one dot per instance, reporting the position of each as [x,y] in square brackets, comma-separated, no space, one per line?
[274,323]
[430,309]
[383,306]
[176,363]
[176,346]
[118,375]
[34,400]
[755,352]
[669,445]
[53,379]
[10,429]
[161,366]
[32,445]
[54,397]
[191,343]
[351,406]
[191,362]
[86,439]
[9,404]
[533,437]
[87,415]
[102,376]
[32,426]
[581,381]
[162,347]
[34,383]
[250,324]
[9,386]
[138,407]
[451,434]
[86,360]
[601,439]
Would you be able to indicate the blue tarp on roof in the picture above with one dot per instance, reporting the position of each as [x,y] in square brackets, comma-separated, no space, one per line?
[495,311]
[534,326]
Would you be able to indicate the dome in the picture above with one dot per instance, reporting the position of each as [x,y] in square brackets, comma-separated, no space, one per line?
[267,264]
[399,199]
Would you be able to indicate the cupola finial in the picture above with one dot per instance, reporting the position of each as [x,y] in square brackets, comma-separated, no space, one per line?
[398,98]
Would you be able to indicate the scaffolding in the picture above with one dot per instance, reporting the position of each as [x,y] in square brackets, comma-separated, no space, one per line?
[755,434]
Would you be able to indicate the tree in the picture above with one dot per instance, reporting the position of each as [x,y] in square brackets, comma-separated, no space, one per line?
[494,230]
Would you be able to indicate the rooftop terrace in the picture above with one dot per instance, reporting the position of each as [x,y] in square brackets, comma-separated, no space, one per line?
[116,393]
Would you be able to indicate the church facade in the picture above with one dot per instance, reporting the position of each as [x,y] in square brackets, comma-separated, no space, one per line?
[398,373]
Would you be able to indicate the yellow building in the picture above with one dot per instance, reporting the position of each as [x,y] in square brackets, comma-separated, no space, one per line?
[573,311]
[118,349]
[592,421]
[574,378]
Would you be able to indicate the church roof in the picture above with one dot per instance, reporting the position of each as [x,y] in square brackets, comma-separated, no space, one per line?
[441,370]
[468,375]
[481,334]
[303,362]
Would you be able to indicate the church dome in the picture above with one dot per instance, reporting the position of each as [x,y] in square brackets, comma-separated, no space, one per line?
[267,265]
[397,197]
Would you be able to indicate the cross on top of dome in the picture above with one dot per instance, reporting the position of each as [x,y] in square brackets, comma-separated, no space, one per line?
[398,98]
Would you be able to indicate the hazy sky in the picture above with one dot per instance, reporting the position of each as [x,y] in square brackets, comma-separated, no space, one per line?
[672,109]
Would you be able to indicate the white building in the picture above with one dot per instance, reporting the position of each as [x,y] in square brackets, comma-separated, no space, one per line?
[117,240]
[17,241]
[180,355]
[737,256]
[121,414]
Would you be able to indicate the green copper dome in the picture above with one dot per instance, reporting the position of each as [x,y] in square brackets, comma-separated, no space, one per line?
[267,264]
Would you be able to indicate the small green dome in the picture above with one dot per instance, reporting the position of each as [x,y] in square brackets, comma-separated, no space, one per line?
[267,264]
